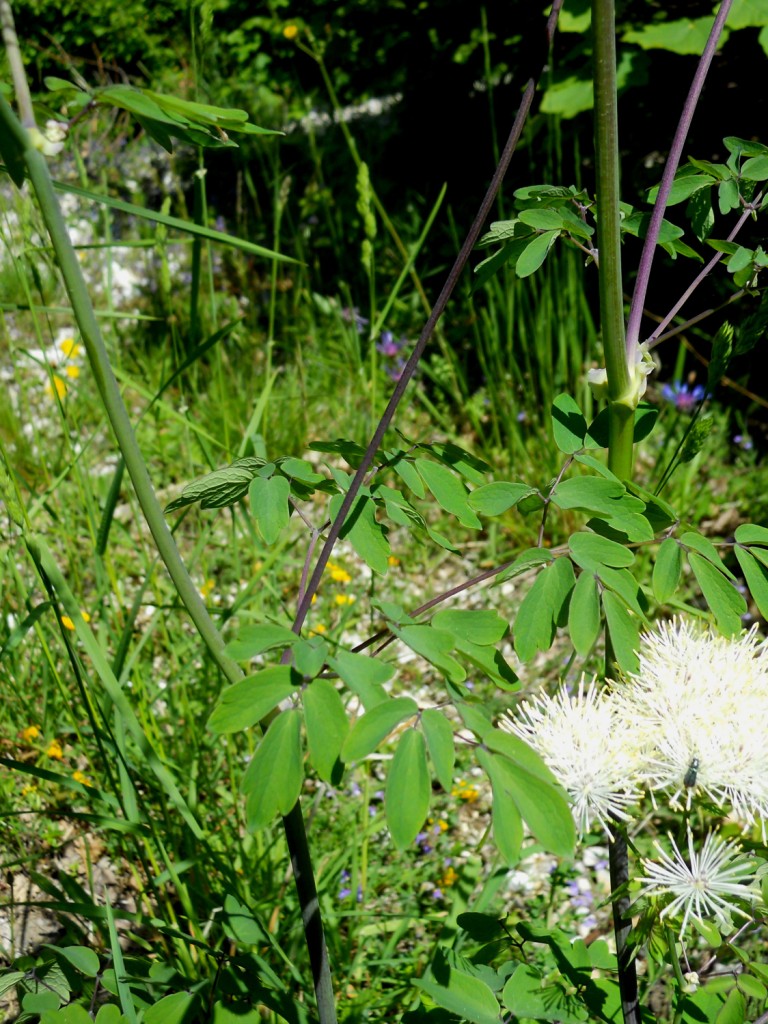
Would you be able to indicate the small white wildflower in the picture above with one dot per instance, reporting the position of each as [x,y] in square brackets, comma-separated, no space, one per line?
[597,378]
[578,738]
[707,886]
[692,982]
[50,141]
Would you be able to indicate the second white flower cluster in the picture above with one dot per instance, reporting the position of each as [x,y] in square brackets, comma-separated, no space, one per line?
[692,721]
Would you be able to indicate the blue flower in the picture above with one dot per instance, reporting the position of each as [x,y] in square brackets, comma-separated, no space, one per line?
[744,441]
[682,397]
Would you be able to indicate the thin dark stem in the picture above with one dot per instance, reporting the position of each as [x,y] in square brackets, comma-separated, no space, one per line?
[694,319]
[618,858]
[702,275]
[429,327]
[673,160]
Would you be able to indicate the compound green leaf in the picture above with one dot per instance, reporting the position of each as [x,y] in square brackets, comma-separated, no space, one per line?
[524,562]
[75,1013]
[584,614]
[507,823]
[591,549]
[542,806]
[375,725]
[568,424]
[543,609]
[363,675]
[408,789]
[589,493]
[688,35]
[749,533]
[439,733]
[733,1010]
[483,627]
[435,645]
[518,752]
[253,640]
[222,487]
[246,702]
[705,547]
[622,582]
[461,994]
[667,569]
[366,535]
[534,254]
[755,169]
[542,220]
[623,631]
[496,498]
[756,575]
[82,958]
[449,491]
[272,781]
[491,662]
[527,995]
[724,600]
[326,725]
[269,504]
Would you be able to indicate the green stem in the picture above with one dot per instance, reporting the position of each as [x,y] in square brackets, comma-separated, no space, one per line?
[678,971]
[621,399]
[109,391]
[620,376]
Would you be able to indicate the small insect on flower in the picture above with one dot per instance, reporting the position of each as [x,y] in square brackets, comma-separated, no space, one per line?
[690,776]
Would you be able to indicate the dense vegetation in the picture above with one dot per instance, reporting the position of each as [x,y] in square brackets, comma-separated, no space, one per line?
[264,207]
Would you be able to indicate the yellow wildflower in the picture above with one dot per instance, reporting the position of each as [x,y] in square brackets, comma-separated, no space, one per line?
[338,575]
[448,877]
[55,750]
[78,776]
[72,371]
[290,31]
[70,348]
[67,623]
[207,587]
[464,791]
[393,560]
[318,630]
[57,387]
[30,733]
[344,599]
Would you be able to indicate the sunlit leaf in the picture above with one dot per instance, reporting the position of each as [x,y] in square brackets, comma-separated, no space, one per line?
[325,721]
[439,733]
[272,781]
[408,789]
[375,725]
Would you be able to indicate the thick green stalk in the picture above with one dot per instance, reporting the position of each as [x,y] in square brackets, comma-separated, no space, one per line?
[620,373]
[622,393]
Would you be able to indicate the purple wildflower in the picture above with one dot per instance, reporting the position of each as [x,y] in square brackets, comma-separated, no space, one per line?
[387,345]
[682,397]
[351,315]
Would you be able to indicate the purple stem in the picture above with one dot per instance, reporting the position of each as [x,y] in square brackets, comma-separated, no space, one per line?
[434,316]
[673,159]
[700,277]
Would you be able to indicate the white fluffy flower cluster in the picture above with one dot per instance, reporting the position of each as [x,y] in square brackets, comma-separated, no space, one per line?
[693,720]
